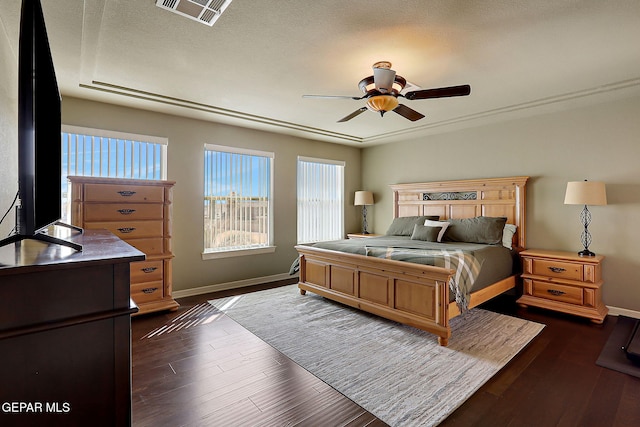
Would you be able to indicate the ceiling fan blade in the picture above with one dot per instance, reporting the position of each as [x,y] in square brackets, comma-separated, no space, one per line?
[352,115]
[357,98]
[408,113]
[442,92]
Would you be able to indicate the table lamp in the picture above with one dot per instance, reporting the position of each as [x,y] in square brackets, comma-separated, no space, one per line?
[585,193]
[364,198]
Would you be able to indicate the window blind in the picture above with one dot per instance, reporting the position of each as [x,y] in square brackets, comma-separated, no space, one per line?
[95,152]
[320,195]
[237,199]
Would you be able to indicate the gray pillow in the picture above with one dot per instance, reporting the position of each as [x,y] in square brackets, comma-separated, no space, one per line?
[481,229]
[426,233]
[403,226]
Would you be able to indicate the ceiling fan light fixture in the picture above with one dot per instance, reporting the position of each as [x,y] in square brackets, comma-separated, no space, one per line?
[382,103]
[367,85]
[384,79]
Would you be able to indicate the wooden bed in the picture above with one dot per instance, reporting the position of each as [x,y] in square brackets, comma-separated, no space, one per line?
[416,294]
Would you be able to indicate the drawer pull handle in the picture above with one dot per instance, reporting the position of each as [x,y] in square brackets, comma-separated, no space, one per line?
[557,269]
[555,292]
[126,193]
[149,290]
[126,211]
[125,230]
[149,269]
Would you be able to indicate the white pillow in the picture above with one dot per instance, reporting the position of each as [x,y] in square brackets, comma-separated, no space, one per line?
[507,235]
[442,224]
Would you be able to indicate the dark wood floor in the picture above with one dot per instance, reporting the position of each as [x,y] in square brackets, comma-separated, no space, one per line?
[219,374]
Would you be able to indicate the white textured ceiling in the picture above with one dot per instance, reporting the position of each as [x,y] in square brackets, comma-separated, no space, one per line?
[253,66]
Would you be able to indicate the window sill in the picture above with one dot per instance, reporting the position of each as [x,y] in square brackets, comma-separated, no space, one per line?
[238,252]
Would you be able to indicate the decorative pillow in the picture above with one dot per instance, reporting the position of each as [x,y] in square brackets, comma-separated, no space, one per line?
[441,224]
[481,229]
[403,226]
[507,235]
[423,232]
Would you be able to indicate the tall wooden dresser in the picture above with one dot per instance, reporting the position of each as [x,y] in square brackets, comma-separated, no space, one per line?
[139,212]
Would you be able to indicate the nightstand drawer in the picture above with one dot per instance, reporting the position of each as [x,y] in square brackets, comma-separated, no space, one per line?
[550,268]
[557,292]
[563,281]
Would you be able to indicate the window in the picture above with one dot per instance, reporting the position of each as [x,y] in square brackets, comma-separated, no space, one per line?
[237,201]
[320,200]
[94,152]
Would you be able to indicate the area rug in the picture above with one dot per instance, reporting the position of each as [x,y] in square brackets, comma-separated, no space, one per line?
[612,356]
[398,373]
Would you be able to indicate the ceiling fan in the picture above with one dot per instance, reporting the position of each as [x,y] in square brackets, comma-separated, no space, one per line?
[382,89]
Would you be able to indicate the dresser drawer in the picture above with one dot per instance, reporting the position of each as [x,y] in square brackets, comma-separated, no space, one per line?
[122,211]
[150,246]
[130,229]
[556,292]
[147,292]
[146,271]
[551,268]
[127,193]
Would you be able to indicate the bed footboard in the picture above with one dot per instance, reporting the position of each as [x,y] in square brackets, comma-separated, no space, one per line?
[412,294]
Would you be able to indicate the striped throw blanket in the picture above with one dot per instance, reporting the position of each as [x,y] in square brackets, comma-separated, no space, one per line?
[464,263]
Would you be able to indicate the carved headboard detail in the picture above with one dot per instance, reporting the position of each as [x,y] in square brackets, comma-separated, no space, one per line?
[496,197]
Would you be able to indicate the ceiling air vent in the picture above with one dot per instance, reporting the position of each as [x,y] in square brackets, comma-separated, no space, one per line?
[204,11]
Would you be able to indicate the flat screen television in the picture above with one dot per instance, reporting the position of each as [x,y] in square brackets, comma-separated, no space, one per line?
[39,126]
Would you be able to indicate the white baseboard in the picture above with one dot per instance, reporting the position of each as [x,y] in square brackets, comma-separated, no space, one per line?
[617,311]
[231,285]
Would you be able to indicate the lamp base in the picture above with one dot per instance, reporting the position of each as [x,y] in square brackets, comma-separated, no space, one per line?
[586,252]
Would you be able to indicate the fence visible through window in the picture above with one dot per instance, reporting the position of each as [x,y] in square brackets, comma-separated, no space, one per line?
[237,199]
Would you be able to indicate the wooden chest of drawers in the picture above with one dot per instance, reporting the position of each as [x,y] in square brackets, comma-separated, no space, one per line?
[139,212]
[563,281]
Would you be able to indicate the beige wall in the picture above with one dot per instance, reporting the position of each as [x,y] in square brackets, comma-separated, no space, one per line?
[8,132]
[185,166]
[599,143]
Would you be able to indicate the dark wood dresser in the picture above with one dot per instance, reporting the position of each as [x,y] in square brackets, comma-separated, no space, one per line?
[65,332]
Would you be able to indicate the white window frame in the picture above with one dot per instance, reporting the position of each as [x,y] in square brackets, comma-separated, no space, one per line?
[269,247]
[301,237]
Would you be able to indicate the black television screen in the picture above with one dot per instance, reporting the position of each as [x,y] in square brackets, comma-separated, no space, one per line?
[39,126]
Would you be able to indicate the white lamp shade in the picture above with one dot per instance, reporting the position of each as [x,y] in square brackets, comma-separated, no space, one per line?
[363,198]
[591,193]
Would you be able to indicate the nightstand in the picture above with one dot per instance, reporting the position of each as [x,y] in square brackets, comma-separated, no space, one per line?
[361,236]
[563,281]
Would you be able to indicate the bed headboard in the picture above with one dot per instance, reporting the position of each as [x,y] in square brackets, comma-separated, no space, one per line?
[466,199]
